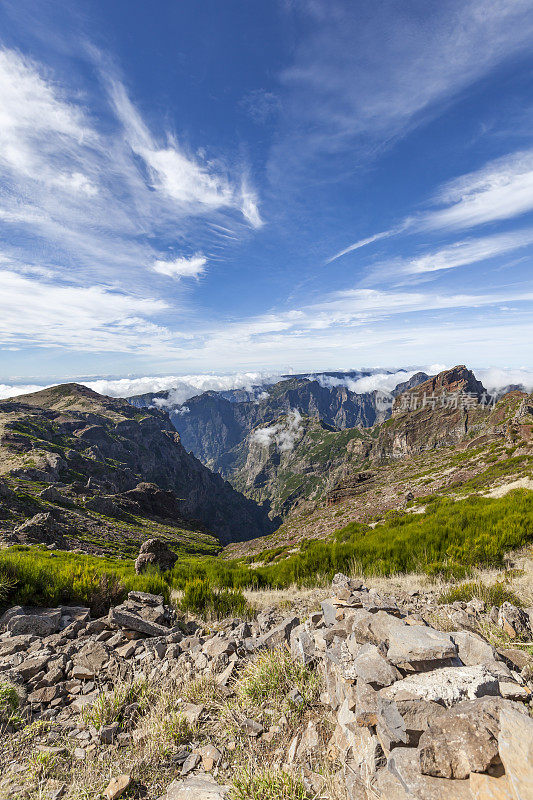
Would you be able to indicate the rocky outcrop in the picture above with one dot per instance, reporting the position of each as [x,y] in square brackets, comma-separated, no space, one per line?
[405,718]
[215,425]
[121,460]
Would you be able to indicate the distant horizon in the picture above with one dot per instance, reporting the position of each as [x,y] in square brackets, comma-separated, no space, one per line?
[189,385]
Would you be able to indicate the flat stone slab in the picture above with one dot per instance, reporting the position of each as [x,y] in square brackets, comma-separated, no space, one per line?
[410,645]
[448,685]
[201,787]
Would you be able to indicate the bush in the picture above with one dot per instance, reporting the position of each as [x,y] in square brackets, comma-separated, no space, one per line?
[34,576]
[271,676]
[9,705]
[200,598]
[267,784]
[109,707]
[493,595]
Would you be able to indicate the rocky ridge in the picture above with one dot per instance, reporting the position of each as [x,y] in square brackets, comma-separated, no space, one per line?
[407,710]
[216,425]
[452,444]
[80,468]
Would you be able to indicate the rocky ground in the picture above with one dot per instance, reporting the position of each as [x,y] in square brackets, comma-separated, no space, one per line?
[365,696]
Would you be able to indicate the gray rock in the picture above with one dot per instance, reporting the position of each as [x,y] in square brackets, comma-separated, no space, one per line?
[413,646]
[417,716]
[31,666]
[473,649]
[124,618]
[448,685]
[278,635]
[370,666]
[302,645]
[155,553]
[514,621]
[218,646]
[108,733]
[42,623]
[251,727]
[401,779]
[144,598]
[461,740]
[390,727]
[201,787]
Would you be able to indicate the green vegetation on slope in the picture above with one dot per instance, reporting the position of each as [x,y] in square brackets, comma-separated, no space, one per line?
[450,538]
[36,576]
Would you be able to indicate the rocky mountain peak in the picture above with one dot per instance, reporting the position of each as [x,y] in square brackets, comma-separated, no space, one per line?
[455,382]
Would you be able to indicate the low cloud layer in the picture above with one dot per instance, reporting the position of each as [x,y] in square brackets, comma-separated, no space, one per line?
[183,387]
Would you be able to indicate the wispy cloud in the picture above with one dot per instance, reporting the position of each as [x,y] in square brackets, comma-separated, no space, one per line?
[501,190]
[96,197]
[193,186]
[362,243]
[87,319]
[181,267]
[358,81]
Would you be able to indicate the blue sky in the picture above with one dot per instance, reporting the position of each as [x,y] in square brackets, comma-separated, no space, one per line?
[230,185]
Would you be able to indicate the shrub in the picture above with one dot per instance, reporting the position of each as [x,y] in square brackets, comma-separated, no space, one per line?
[34,576]
[109,707]
[200,598]
[493,595]
[267,784]
[271,676]
[9,705]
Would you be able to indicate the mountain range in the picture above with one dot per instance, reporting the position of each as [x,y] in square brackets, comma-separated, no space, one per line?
[82,471]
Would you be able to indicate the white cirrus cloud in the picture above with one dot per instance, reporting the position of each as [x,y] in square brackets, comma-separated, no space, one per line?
[182,267]
[500,190]
[89,319]
[187,181]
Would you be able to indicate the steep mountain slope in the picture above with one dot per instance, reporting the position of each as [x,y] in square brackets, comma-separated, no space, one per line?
[451,444]
[95,451]
[293,462]
[213,424]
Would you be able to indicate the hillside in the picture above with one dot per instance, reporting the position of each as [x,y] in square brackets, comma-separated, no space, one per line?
[104,476]
[452,446]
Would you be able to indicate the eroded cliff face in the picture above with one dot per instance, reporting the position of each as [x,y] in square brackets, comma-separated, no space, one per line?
[212,426]
[71,435]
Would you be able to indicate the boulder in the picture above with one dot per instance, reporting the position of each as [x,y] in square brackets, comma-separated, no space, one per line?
[39,623]
[41,529]
[401,779]
[462,740]
[515,743]
[155,553]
